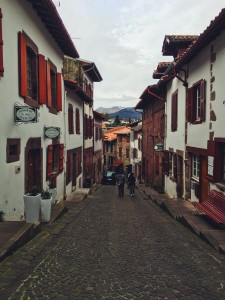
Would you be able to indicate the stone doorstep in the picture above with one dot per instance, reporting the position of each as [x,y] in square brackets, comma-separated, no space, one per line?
[197,222]
[216,238]
[20,238]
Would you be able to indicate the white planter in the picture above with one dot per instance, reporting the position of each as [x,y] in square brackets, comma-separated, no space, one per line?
[46,209]
[32,205]
[53,192]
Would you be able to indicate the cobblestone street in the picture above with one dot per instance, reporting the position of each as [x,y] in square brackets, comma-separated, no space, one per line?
[114,248]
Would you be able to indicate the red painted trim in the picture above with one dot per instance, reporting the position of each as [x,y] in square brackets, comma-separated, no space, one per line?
[1,46]
[49,93]
[59,92]
[42,79]
[197,151]
[23,64]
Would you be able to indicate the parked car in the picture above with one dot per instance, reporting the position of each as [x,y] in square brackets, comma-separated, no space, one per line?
[109,177]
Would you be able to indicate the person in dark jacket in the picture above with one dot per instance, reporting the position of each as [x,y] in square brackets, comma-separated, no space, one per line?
[131,182]
[120,179]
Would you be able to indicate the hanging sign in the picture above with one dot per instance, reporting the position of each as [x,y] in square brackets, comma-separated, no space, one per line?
[25,114]
[158,147]
[51,132]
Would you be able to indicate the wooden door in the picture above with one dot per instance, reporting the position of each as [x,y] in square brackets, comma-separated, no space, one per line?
[179,176]
[33,169]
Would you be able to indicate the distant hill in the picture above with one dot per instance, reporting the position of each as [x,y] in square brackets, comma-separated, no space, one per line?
[109,110]
[126,114]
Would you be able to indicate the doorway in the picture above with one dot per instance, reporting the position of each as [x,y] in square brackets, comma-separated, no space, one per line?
[203,180]
[33,164]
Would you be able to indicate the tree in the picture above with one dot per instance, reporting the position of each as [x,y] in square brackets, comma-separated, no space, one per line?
[117,121]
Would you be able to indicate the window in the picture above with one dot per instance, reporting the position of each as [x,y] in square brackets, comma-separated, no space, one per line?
[196,102]
[135,153]
[96,133]
[1,46]
[12,150]
[127,152]
[54,88]
[28,70]
[195,166]
[36,85]
[77,121]
[70,119]
[216,160]
[55,158]
[120,151]
[174,111]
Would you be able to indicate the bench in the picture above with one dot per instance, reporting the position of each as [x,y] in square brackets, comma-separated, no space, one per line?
[213,207]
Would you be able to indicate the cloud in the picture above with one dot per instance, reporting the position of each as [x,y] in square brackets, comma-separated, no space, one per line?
[124,38]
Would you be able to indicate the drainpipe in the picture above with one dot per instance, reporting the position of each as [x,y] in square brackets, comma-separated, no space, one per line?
[65,145]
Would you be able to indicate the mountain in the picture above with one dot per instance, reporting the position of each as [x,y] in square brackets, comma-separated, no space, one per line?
[109,110]
[126,114]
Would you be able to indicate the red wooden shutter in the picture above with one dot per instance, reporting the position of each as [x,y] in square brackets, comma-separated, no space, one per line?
[23,65]
[42,78]
[59,92]
[61,157]
[68,168]
[166,162]
[1,46]
[190,110]
[49,92]
[49,160]
[174,113]
[77,120]
[175,167]
[202,100]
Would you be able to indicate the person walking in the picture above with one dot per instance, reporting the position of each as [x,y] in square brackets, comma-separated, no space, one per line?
[120,179]
[131,182]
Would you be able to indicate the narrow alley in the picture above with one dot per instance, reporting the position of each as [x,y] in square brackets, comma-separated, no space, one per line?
[108,247]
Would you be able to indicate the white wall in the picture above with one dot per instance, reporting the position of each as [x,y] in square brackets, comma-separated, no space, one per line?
[18,16]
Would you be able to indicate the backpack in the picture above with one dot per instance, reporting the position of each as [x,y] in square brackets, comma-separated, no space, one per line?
[120,178]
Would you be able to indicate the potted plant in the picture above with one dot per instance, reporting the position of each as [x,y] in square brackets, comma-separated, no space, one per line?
[46,202]
[32,204]
[52,191]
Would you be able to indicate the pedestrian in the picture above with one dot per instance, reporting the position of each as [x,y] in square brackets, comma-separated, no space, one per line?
[120,179]
[131,183]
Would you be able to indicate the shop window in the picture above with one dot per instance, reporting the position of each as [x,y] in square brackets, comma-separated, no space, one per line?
[196,102]
[12,150]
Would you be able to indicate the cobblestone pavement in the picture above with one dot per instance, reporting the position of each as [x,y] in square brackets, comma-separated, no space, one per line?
[114,248]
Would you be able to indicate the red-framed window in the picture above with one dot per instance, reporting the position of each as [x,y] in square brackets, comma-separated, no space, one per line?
[127,152]
[90,127]
[39,82]
[1,46]
[70,119]
[55,159]
[120,151]
[196,102]
[77,121]
[174,111]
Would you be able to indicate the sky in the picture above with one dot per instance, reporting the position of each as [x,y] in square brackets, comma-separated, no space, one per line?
[124,39]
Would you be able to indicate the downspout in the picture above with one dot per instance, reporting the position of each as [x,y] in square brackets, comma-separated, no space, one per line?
[65,145]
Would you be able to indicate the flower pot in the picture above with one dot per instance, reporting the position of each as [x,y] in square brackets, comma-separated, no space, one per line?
[53,192]
[32,206]
[46,209]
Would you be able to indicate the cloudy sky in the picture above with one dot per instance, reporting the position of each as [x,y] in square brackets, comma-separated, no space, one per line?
[124,38]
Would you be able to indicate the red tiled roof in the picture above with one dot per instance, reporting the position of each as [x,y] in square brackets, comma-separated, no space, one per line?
[161,68]
[111,134]
[208,35]
[47,12]
[172,43]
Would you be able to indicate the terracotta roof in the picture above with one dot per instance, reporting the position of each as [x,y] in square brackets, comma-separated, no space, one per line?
[161,68]
[97,115]
[172,43]
[47,12]
[111,134]
[208,35]
[91,69]
[74,86]
[150,93]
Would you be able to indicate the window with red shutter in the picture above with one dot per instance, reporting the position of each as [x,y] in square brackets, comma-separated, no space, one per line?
[196,102]
[59,92]
[70,119]
[28,70]
[42,79]
[120,151]
[77,121]
[1,46]
[61,157]
[90,128]
[174,111]
[49,161]
[127,152]
[68,168]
